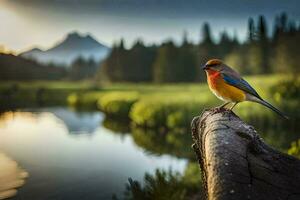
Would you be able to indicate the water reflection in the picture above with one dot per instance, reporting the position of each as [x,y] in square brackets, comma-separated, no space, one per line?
[277,132]
[103,155]
[11,177]
[77,122]
[176,144]
[90,166]
[117,126]
[157,142]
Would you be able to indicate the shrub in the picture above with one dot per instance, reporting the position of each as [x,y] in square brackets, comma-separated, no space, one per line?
[287,89]
[84,99]
[117,104]
[294,150]
[162,185]
[192,177]
[167,185]
[172,112]
[148,113]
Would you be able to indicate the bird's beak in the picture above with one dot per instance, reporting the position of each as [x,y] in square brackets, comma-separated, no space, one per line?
[204,67]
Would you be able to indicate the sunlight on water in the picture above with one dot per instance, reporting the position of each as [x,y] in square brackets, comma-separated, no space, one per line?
[11,177]
[70,154]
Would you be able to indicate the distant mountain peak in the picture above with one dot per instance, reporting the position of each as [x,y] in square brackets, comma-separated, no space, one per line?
[78,36]
[74,34]
[67,50]
[75,40]
[36,49]
[89,37]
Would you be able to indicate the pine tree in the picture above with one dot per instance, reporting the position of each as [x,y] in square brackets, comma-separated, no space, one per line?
[251,30]
[206,34]
[164,67]
[263,45]
[262,29]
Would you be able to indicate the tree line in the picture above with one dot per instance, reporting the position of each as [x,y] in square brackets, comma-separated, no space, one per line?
[263,52]
[18,68]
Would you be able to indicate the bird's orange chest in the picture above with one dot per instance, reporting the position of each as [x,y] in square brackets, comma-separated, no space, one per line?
[223,90]
[214,79]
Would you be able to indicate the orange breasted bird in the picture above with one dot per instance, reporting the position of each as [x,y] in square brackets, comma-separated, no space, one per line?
[230,87]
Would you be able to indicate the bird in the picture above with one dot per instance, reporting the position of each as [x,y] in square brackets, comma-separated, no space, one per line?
[228,85]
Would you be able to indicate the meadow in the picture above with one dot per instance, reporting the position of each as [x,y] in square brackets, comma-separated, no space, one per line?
[163,107]
[170,106]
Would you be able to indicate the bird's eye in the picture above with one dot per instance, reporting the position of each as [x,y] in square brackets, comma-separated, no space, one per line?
[211,65]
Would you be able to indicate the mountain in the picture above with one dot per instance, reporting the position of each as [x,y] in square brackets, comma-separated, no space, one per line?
[70,48]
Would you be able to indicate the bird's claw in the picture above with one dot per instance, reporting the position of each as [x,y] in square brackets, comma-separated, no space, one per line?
[219,109]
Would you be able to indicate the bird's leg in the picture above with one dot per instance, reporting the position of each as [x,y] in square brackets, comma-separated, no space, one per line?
[235,103]
[233,106]
[219,108]
[223,105]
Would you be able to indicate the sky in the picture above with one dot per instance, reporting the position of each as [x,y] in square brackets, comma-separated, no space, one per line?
[42,23]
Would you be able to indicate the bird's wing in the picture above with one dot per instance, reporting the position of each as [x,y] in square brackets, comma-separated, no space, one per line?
[239,83]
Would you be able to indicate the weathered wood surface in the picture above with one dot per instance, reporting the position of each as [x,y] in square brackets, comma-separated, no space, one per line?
[237,164]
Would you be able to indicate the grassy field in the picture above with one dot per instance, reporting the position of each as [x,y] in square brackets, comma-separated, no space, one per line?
[147,105]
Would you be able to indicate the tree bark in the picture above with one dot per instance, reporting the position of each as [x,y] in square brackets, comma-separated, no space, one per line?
[237,164]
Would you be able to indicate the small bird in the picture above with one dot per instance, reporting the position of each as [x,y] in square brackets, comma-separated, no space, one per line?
[230,87]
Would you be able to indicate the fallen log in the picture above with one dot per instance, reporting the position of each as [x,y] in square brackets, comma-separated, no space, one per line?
[237,164]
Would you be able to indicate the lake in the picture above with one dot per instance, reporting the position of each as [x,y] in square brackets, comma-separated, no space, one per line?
[71,155]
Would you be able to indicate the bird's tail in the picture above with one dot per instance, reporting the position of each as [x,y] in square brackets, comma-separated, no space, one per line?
[263,102]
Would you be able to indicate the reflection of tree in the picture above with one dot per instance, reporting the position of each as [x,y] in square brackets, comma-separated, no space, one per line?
[277,132]
[164,143]
[117,126]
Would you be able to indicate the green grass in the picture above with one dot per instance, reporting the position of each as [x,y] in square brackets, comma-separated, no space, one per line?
[148,105]
[84,99]
[58,85]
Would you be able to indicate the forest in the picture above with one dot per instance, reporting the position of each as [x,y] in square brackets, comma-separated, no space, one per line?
[264,52]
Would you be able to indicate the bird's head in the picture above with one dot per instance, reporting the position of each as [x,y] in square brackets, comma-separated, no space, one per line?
[213,65]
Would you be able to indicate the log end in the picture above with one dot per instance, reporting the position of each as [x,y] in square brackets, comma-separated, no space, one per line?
[237,164]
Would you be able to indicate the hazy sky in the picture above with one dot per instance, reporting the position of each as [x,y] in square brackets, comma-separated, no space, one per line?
[28,23]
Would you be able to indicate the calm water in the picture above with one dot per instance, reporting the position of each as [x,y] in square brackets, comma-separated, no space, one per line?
[70,155]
